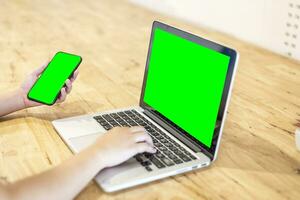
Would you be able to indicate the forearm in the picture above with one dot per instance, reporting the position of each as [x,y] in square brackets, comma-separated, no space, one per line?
[63,182]
[11,102]
[67,180]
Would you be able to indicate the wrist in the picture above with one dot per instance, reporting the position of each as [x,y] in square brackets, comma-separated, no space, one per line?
[99,156]
[19,99]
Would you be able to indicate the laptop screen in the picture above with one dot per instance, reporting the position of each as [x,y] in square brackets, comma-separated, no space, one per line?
[185,83]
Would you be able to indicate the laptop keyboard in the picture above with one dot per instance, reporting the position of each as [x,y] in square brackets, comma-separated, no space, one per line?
[168,153]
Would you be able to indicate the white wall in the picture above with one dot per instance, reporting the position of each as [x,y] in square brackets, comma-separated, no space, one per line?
[273,24]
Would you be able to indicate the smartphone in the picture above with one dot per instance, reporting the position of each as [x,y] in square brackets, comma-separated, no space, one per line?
[47,87]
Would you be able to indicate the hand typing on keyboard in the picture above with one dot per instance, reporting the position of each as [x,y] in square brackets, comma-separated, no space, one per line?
[121,143]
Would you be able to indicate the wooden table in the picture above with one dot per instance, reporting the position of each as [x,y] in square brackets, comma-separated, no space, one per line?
[258,158]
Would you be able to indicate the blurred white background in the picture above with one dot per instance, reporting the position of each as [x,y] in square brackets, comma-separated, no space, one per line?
[272,24]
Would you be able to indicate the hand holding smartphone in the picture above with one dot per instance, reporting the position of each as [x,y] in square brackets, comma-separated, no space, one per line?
[47,87]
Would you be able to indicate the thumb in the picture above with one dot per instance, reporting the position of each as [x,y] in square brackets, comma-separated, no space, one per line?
[38,71]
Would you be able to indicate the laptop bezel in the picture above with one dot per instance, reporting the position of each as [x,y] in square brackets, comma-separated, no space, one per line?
[210,152]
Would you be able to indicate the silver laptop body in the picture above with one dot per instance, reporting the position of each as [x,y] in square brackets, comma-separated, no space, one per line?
[80,131]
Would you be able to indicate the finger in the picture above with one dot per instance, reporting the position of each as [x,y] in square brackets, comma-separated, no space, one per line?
[38,71]
[143,137]
[136,129]
[68,86]
[119,129]
[75,74]
[143,147]
[63,95]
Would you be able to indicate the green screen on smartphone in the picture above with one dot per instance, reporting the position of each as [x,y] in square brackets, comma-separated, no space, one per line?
[47,88]
[185,83]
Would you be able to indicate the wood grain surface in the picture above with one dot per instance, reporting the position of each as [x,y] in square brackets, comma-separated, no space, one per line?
[258,158]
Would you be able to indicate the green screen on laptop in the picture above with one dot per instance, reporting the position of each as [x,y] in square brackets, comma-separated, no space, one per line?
[185,83]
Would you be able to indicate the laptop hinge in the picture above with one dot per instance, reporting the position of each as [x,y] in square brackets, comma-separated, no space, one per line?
[176,133]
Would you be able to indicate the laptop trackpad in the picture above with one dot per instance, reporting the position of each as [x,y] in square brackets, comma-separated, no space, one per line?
[79,143]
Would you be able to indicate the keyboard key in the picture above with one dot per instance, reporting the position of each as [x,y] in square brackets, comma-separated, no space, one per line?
[118,119]
[177,152]
[147,121]
[138,114]
[139,159]
[107,127]
[172,156]
[124,117]
[168,145]
[106,116]
[159,137]
[114,123]
[177,161]
[142,124]
[185,151]
[139,120]
[154,134]
[128,120]
[164,141]
[162,148]
[157,163]
[159,155]
[148,168]
[176,144]
[180,154]
[167,152]
[148,155]
[133,123]
[173,141]
[127,112]
[103,123]
[123,123]
[168,137]
[121,113]
[113,115]
[130,114]
[135,118]
[173,148]
[158,144]
[98,118]
[151,130]
[185,158]
[146,163]
[167,161]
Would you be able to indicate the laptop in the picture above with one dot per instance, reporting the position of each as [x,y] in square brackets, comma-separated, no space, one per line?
[184,98]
